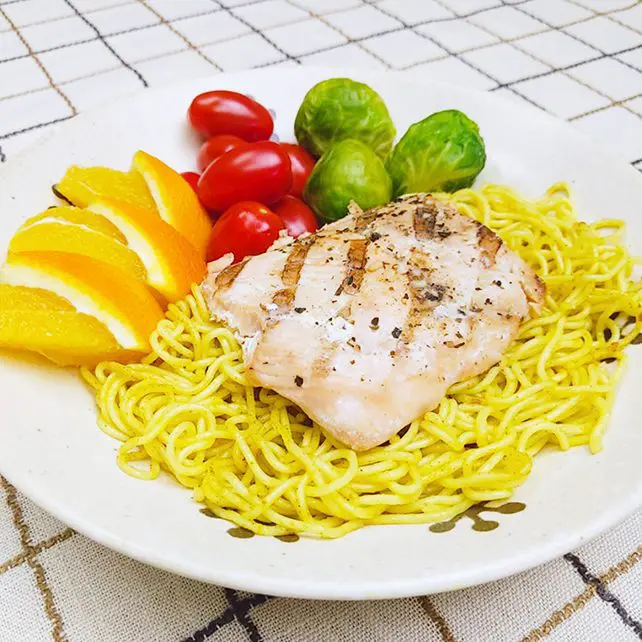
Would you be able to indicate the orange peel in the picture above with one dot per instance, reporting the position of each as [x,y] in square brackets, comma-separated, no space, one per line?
[176,201]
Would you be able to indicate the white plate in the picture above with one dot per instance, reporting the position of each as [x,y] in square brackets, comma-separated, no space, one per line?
[52,450]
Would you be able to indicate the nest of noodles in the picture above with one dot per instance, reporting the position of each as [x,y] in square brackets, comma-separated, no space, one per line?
[255,459]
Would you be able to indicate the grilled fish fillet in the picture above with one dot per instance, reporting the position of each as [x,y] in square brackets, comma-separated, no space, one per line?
[366,323]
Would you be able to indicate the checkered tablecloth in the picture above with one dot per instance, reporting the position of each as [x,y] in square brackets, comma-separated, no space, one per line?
[578,59]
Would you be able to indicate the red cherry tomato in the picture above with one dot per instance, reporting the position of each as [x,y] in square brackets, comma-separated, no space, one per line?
[191,178]
[216,146]
[297,217]
[302,165]
[226,112]
[256,172]
[245,229]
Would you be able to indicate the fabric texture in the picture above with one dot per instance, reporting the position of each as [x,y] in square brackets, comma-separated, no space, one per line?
[578,59]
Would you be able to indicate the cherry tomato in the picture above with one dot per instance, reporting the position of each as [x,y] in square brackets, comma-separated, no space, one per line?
[216,146]
[191,178]
[302,165]
[227,112]
[256,172]
[245,229]
[297,217]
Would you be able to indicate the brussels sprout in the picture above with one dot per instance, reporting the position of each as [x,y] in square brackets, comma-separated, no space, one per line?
[350,171]
[441,153]
[340,108]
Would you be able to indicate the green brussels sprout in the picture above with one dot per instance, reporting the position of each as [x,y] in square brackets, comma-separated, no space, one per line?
[350,171]
[441,153]
[340,108]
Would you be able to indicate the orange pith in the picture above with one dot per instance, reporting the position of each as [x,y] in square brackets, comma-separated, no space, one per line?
[171,261]
[124,305]
[176,202]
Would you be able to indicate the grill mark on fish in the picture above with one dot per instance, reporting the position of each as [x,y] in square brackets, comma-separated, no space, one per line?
[489,244]
[291,273]
[355,267]
[355,270]
[226,277]
[423,222]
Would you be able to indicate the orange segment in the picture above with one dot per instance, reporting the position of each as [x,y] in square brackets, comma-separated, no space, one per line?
[171,261]
[83,185]
[40,321]
[32,299]
[67,338]
[175,200]
[60,234]
[124,305]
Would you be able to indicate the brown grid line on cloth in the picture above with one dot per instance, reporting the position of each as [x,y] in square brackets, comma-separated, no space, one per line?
[29,551]
[86,13]
[183,37]
[37,60]
[240,608]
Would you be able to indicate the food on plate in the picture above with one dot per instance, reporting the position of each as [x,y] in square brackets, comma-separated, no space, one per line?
[389,307]
[256,172]
[176,203]
[399,364]
[297,217]
[216,146]
[340,108]
[245,229]
[122,304]
[228,112]
[69,229]
[349,171]
[254,458]
[302,164]
[442,153]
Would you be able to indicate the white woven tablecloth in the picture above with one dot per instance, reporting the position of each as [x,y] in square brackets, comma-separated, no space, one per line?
[578,59]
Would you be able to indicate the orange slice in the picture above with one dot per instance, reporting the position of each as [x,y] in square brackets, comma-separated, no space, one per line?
[124,305]
[78,232]
[81,186]
[175,200]
[171,261]
[32,299]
